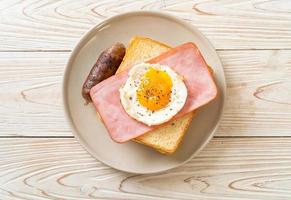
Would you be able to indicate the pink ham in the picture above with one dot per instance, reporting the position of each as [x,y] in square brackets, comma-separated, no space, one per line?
[186,60]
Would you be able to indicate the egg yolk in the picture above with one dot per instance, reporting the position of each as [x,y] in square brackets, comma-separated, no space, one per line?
[154,91]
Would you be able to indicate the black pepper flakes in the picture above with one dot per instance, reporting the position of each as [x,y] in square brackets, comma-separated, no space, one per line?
[140,114]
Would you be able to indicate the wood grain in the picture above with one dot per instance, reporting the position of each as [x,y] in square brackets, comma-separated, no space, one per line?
[58,25]
[259,93]
[228,168]
[258,101]
[30,94]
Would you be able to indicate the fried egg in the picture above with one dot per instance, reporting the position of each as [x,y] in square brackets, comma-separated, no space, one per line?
[153,93]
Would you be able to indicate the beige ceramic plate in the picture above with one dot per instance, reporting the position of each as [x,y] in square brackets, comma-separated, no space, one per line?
[88,129]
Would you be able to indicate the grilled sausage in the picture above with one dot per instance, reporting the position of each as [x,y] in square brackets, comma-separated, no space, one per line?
[106,66]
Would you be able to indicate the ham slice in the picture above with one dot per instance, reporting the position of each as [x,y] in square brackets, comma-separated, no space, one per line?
[186,60]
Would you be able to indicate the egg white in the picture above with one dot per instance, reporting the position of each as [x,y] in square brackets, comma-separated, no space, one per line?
[134,109]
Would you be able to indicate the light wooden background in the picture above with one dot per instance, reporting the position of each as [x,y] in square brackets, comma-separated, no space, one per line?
[250,155]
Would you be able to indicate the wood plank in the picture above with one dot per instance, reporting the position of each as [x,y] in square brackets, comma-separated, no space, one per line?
[258,101]
[30,94]
[258,93]
[228,168]
[58,25]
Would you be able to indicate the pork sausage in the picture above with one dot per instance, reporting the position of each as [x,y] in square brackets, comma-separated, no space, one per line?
[106,66]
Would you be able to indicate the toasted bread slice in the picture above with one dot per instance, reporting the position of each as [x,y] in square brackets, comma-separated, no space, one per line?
[167,138]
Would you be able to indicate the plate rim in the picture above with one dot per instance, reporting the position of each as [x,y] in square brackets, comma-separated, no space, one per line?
[71,59]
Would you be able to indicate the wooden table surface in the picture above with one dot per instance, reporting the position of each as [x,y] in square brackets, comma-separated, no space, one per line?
[250,155]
